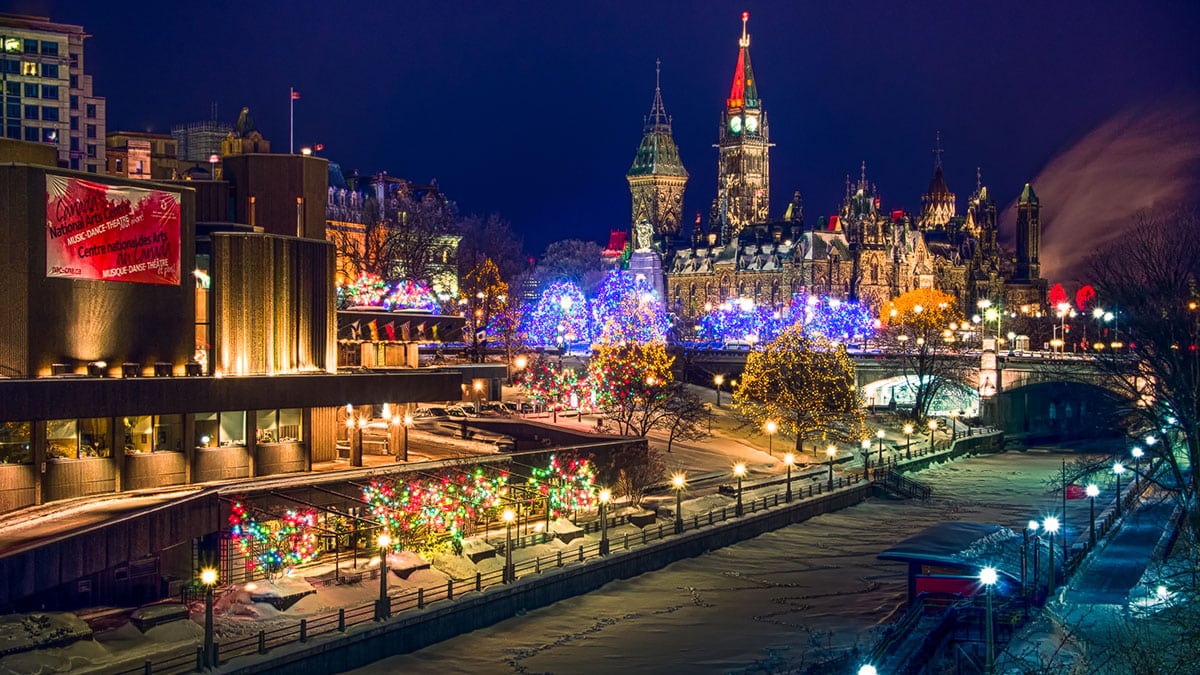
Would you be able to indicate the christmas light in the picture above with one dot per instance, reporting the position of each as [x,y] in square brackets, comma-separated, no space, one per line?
[560,317]
[569,485]
[274,545]
[627,309]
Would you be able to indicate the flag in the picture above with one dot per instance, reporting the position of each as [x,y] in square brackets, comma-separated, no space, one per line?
[374,327]
[421,330]
[354,330]
[390,330]
[295,95]
[1075,491]
[405,332]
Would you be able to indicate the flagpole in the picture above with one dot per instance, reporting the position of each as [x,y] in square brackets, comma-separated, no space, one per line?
[291,120]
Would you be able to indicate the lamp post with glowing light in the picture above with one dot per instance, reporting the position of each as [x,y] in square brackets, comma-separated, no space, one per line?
[908,429]
[879,435]
[739,470]
[866,453]
[1092,492]
[788,460]
[384,607]
[718,380]
[830,451]
[1050,524]
[408,422]
[508,517]
[1037,555]
[953,425]
[677,482]
[1137,453]
[932,428]
[478,387]
[605,497]
[867,669]
[771,427]
[1118,469]
[987,576]
[208,577]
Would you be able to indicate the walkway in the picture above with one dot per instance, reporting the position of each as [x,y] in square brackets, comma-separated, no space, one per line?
[1116,567]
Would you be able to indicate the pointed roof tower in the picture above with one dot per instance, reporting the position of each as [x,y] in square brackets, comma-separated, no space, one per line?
[1028,196]
[744,92]
[657,154]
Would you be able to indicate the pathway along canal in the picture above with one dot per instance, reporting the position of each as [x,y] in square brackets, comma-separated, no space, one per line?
[774,603]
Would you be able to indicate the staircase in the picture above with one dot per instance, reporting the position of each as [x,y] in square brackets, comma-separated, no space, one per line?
[898,484]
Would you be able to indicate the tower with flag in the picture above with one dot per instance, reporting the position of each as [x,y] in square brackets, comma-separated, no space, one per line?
[743,150]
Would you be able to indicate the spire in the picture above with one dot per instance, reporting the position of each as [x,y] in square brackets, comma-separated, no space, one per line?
[937,150]
[658,118]
[1027,196]
[862,177]
[744,92]
[978,179]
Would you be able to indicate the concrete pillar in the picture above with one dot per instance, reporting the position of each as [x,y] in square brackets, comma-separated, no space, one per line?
[116,441]
[38,440]
[189,447]
[306,436]
[252,442]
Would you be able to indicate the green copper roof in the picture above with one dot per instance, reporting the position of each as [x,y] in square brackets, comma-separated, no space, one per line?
[657,156]
[1027,195]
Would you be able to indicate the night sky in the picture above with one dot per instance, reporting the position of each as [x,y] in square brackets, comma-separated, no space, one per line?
[534,110]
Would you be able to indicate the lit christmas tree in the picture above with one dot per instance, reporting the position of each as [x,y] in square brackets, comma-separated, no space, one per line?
[560,317]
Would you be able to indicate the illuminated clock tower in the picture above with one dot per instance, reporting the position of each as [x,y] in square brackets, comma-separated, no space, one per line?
[743,162]
[657,177]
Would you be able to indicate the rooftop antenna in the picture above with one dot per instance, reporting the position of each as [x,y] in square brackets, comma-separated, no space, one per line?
[978,179]
[937,151]
[745,41]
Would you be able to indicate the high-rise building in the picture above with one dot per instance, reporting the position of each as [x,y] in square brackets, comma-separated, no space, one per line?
[657,178]
[743,150]
[1029,235]
[47,96]
[198,141]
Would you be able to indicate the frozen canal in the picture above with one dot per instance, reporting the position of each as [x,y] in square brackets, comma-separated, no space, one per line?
[773,603]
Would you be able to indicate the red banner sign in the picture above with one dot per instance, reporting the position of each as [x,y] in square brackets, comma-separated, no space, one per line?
[110,233]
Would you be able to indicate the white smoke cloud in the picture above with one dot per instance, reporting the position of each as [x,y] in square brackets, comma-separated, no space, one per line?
[1142,158]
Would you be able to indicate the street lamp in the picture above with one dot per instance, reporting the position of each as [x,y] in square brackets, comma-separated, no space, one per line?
[678,481]
[932,428]
[739,470]
[771,427]
[408,422]
[866,452]
[987,576]
[508,517]
[384,608]
[605,496]
[867,669]
[831,451]
[478,387]
[1092,492]
[1118,468]
[1050,524]
[908,429]
[879,435]
[1037,561]
[208,577]
[1137,453]
[953,425]
[718,380]
[788,460]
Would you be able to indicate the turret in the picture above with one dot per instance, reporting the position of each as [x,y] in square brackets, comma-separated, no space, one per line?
[657,177]
[1029,236]
[743,158]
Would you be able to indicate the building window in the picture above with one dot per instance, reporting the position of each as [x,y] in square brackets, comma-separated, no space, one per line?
[153,433]
[277,426]
[91,131]
[31,46]
[90,110]
[13,131]
[31,134]
[74,81]
[49,48]
[31,90]
[77,439]
[74,61]
[225,429]
[16,443]
[91,150]
[31,112]
[74,123]
[50,113]
[74,102]
[50,92]
[75,164]
[13,88]
[116,162]
[12,45]
[50,70]
[13,109]
[91,168]
[29,68]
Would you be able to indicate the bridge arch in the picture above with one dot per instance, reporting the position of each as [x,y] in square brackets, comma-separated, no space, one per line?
[1054,409]
[898,392]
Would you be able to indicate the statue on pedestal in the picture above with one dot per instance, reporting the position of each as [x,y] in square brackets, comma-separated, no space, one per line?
[643,236]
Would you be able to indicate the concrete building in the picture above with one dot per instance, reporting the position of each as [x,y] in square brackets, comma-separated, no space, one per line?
[48,97]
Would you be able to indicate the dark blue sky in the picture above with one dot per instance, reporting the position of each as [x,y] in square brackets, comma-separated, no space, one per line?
[534,110]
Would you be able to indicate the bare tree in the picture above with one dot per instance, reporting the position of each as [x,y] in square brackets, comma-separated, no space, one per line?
[409,236]
[920,331]
[490,238]
[572,260]
[1151,278]
[685,416]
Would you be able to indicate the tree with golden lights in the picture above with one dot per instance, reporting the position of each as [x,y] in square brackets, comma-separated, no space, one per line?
[483,295]
[631,381]
[925,328]
[805,384]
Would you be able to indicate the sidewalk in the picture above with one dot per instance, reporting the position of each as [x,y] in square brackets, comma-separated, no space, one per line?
[1116,567]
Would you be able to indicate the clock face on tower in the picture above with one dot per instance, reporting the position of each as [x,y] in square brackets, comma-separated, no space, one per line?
[752,124]
[735,124]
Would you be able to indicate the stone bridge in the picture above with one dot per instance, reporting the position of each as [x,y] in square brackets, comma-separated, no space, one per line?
[1034,393]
